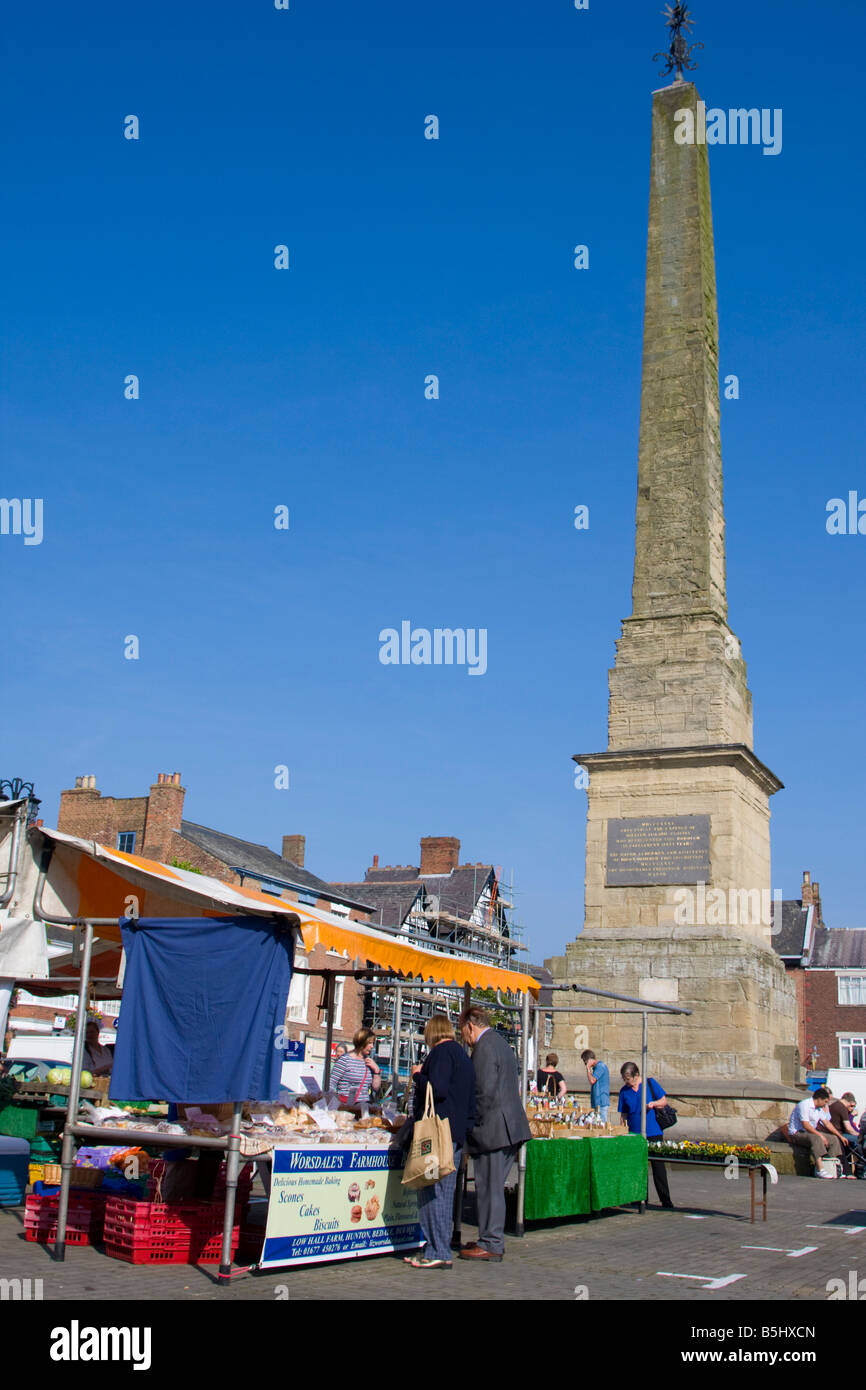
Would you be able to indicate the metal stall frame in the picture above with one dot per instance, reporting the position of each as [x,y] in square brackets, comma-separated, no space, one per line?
[645,1007]
[84,930]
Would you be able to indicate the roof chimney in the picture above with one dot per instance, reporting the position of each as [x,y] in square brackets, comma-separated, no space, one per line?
[439,854]
[294,848]
[375,861]
[164,815]
[810,896]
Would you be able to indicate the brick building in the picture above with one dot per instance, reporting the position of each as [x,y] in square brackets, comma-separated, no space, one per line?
[828,965]
[439,904]
[153,827]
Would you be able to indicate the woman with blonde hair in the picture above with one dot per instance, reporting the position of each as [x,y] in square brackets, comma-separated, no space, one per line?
[448,1072]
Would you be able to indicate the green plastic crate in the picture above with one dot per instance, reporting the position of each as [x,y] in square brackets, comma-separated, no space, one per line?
[44,1150]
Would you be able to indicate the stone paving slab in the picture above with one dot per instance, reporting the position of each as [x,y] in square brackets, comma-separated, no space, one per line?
[616,1255]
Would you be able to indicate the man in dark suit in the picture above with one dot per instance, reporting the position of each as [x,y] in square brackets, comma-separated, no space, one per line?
[499,1130]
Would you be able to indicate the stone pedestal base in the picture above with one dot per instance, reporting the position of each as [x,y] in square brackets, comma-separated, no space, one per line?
[734,1056]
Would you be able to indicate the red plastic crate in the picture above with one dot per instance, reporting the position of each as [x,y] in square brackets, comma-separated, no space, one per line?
[155,1250]
[210,1251]
[47,1235]
[213,1214]
[84,1214]
[129,1218]
[39,1202]
[169,1249]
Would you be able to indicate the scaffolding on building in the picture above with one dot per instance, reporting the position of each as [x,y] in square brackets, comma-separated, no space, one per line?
[438,921]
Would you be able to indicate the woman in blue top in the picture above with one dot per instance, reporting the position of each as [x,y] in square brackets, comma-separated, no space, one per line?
[630,1107]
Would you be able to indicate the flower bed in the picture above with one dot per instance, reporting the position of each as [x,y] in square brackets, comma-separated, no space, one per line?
[707,1152]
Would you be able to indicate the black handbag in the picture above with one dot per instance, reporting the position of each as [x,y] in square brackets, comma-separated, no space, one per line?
[665,1114]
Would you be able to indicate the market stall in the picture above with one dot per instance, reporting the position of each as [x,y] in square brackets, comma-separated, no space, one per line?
[575,1177]
[76,884]
[574,1167]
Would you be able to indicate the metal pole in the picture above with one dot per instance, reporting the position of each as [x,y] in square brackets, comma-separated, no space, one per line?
[524,1086]
[67,1158]
[537,1015]
[643,1076]
[395,1040]
[232,1170]
[459,1190]
[330,989]
[12,875]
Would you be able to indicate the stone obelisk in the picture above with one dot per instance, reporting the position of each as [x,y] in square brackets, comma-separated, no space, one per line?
[678,842]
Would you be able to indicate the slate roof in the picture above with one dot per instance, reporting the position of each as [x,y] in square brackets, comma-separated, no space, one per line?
[391,902]
[404,873]
[543,975]
[261,862]
[788,943]
[839,948]
[458,891]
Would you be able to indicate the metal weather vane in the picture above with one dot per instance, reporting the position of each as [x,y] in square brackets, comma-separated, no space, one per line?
[679,54]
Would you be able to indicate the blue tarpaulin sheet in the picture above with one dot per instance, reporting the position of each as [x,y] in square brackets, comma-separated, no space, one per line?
[204,1006]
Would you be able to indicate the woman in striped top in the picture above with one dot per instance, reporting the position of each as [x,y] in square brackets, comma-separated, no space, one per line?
[355,1074]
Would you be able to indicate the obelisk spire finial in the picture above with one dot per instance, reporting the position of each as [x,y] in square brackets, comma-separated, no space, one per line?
[679,53]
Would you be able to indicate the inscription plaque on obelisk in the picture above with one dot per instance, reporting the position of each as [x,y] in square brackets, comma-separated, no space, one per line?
[658,849]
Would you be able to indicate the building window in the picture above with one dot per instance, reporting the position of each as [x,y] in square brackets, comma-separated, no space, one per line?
[338,1002]
[852,1052]
[852,989]
[273,889]
[299,993]
[126,841]
[338,909]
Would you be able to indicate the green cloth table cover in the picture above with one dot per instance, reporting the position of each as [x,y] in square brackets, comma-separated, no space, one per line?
[557,1178]
[19,1121]
[573,1177]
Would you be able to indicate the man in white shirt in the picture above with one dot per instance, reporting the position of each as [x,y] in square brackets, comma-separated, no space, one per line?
[803,1131]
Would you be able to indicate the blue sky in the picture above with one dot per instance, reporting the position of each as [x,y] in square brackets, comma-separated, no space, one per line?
[306,388]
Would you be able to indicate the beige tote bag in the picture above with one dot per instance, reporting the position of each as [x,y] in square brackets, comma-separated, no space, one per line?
[431,1153]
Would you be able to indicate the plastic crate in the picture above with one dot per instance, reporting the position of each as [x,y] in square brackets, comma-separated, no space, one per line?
[86,1212]
[47,1235]
[162,1249]
[86,1204]
[210,1250]
[150,1250]
[123,1216]
[213,1214]
[14,1166]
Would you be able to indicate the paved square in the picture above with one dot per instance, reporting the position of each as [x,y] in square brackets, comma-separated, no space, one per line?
[704,1251]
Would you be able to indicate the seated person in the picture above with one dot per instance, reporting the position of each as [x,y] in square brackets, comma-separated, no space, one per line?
[804,1131]
[97,1059]
[840,1123]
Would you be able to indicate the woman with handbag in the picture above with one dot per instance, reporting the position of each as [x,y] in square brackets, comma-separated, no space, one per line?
[355,1075]
[445,1084]
[630,1104]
